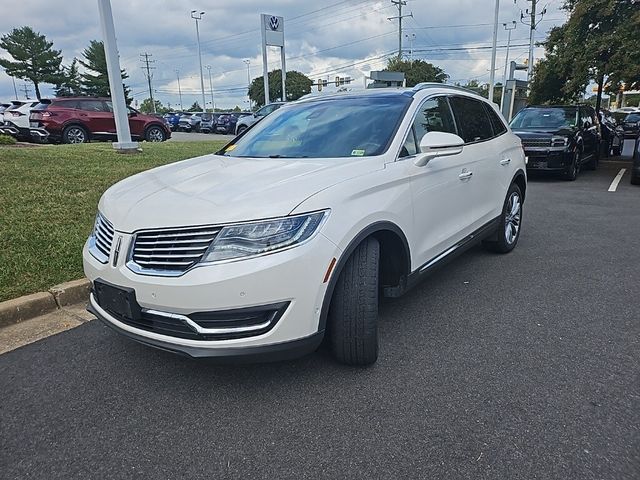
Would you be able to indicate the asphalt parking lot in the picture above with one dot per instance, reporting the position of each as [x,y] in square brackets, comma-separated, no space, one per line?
[518,366]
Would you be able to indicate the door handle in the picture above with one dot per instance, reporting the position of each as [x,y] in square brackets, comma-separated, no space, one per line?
[465,175]
[505,161]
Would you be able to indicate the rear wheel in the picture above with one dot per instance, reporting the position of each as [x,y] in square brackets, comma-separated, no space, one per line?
[241,129]
[617,151]
[508,232]
[353,314]
[75,134]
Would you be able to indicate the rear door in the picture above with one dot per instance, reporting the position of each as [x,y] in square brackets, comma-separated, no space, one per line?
[590,137]
[95,115]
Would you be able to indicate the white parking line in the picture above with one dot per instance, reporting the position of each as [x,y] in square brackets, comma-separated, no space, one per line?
[616,180]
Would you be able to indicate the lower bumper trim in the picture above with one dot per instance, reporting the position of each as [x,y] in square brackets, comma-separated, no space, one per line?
[262,353]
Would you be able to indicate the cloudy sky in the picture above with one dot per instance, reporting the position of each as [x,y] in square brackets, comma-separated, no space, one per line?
[324,38]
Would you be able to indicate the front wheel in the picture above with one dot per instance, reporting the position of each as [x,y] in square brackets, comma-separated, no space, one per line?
[508,232]
[241,129]
[572,173]
[353,313]
[155,134]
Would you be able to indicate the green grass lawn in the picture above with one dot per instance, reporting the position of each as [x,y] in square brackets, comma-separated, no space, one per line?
[48,201]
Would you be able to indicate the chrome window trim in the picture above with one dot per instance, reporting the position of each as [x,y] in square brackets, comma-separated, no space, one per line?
[210,331]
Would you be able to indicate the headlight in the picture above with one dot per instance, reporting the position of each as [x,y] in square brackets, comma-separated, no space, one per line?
[256,238]
[559,141]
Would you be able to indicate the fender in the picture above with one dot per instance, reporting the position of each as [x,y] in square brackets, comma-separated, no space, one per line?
[371,229]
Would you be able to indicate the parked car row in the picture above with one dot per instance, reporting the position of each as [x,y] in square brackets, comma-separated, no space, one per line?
[76,120]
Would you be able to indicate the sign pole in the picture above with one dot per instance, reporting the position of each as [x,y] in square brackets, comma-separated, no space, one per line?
[265,67]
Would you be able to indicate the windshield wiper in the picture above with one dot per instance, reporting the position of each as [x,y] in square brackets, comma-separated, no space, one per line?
[286,156]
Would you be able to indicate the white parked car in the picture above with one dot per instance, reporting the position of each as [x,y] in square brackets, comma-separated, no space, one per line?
[294,232]
[16,119]
[248,120]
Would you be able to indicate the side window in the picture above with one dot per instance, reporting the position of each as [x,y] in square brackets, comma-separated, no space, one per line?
[496,122]
[109,106]
[585,116]
[472,119]
[409,148]
[92,105]
[434,115]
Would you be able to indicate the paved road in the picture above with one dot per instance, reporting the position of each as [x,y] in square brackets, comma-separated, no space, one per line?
[524,366]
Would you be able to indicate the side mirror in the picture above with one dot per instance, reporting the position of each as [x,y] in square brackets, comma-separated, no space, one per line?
[438,144]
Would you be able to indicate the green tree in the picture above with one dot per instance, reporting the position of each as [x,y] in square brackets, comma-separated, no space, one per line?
[297,85]
[416,71]
[147,107]
[598,43]
[195,107]
[95,82]
[33,56]
[69,84]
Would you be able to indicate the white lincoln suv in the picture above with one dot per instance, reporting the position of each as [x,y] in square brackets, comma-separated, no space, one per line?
[293,231]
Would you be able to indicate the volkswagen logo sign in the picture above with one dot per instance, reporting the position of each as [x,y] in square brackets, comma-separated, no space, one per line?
[274,23]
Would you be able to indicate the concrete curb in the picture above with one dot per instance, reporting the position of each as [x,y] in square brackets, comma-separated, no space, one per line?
[30,306]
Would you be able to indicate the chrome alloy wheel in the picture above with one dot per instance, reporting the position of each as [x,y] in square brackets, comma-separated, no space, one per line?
[155,135]
[76,135]
[512,218]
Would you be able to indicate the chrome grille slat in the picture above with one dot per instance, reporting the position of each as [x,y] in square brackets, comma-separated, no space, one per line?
[536,142]
[103,238]
[171,251]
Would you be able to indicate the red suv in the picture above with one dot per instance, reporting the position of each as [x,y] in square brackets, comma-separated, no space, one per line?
[78,120]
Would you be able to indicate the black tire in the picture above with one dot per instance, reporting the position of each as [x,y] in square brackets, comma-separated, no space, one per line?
[353,313]
[593,162]
[502,241]
[241,129]
[617,151]
[154,133]
[574,169]
[75,134]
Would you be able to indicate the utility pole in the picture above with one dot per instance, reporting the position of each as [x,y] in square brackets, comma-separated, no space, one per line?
[492,75]
[149,75]
[179,90]
[25,89]
[532,32]
[411,38]
[213,105]
[197,17]
[508,27]
[15,91]
[399,4]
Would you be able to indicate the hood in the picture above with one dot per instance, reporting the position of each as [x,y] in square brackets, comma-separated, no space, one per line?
[544,132]
[214,189]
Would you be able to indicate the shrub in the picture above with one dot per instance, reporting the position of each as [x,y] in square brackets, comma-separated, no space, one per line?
[7,140]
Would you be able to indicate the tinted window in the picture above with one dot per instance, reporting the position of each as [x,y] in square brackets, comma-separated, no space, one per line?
[92,105]
[434,115]
[473,123]
[496,121]
[542,117]
[67,103]
[632,117]
[326,128]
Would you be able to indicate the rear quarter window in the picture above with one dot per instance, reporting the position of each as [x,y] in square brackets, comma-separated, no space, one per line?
[496,122]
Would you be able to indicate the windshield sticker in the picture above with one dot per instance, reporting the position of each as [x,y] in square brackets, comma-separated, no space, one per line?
[229,148]
[357,153]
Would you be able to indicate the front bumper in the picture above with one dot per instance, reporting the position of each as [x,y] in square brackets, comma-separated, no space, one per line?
[548,159]
[294,276]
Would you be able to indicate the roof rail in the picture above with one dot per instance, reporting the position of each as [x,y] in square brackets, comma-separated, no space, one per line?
[423,85]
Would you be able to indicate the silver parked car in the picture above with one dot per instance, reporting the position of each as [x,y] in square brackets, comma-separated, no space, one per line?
[246,122]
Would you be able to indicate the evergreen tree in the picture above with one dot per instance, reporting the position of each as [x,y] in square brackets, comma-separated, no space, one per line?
[195,107]
[96,81]
[33,56]
[70,84]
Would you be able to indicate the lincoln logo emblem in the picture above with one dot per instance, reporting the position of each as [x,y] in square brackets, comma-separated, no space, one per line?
[274,23]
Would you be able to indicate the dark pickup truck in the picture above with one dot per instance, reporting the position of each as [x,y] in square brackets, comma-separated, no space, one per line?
[560,139]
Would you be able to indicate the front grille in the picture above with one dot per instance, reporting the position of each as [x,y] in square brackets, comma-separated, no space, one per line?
[102,238]
[171,251]
[536,142]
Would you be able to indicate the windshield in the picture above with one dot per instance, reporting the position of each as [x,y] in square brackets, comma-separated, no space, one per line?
[553,118]
[633,117]
[336,127]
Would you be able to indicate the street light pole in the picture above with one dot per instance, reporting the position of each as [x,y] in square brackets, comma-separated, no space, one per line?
[198,16]
[213,105]
[492,77]
[508,27]
[248,62]
[179,89]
